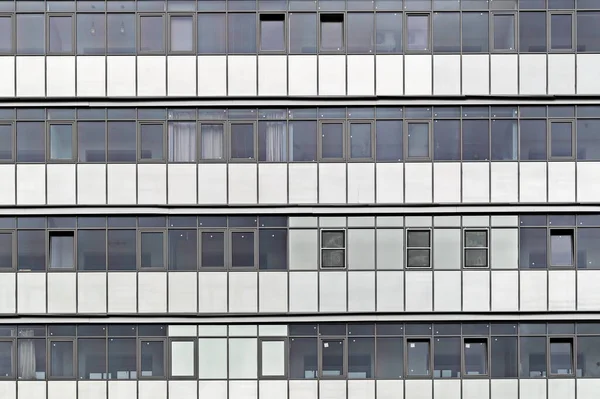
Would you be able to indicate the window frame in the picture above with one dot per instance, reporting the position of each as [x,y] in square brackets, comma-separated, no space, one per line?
[405,137]
[514,14]
[50,341]
[407,341]
[229,248]
[320,49]
[168,35]
[486,247]
[138,21]
[320,157]
[549,15]
[141,123]
[325,338]
[73,33]
[573,234]
[13,30]
[13,137]
[477,340]
[573,139]
[229,141]
[13,363]
[74,144]
[169,361]
[140,341]
[224,142]
[141,231]
[225,233]
[285,358]
[13,237]
[561,339]
[405,46]
[259,32]
[371,124]
[49,234]
[321,248]
[429,248]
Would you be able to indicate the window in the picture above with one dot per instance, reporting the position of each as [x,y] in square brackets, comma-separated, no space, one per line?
[242,249]
[503,357]
[446,358]
[588,34]
[212,359]
[91,34]
[303,33]
[532,32]
[6,252]
[561,139]
[475,354]
[333,252]
[504,140]
[390,358]
[151,142]
[418,358]
[122,142]
[388,35]
[61,142]
[272,358]
[152,251]
[332,32]
[91,358]
[212,34]
[272,32]
[446,32]
[476,248]
[446,140]
[242,33]
[6,34]
[152,34]
[332,140]
[504,32]
[122,357]
[561,247]
[242,358]
[587,248]
[62,250]
[60,35]
[475,140]
[532,248]
[272,253]
[62,359]
[91,250]
[303,360]
[30,34]
[181,33]
[121,33]
[272,141]
[6,142]
[418,140]
[561,31]
[417,32]
[121,250]
[533,357]
[31,360]
[182,141]
[7,368]
[242,140]
[360,140]
[418,248]
[588,354]
[533,140]
[91,141]
[360,33]
[212,249]
[361,356]
[303,141]
[30,142]
[475,32]
[183,359]
[332,358]
[389,140]
[588,147]
[183,249]
[561,356]
[152,358]
[31,250]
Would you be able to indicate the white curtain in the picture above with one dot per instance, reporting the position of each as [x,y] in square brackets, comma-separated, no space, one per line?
[182,141]
[212,141]
[26,362]
[276,142]
[61,252]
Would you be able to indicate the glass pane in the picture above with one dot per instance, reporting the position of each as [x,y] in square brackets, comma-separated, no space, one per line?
[446,358]
[588,253]
[91,250]
[31,361]
[61,142]
[31,250]
[588,139]
[121,142]
[475,358]
[475,32]
[61,250]
[6,252]
[588,34]
[152,250]
[272,249]
[390,358]
[533,357]
[418,358]
[212,360]
[389,140]
[446,140]
[532,248]
[361,357]
[61,34]
[446,32]
[332,352]
[91,33]
[332,32]
[91,141]
[504,140]
[151,142]
[182,141]
[182,359]
[360,140]
[242,141]
[272,141]
[360,33]
[242,249]
[504,32]
[332,140]
[303,33]
[121,250]
[561,32]
[122,359]
[61,359]
[242,358]
[6,142]
[303,358]
[533,140]
[6,359]
[212,34]
[121,33]
[561,248]
[213,249]
[273,358]
[532,32]
[91,356]
[504,357]
[303,140]
[418,32]
[30,34]
[561,139]
[475,140]
[242,33]
[152,33]
[588,354]
[418,140]
[561,357]
[388,35]
[6,36]
[183,249]
[272,33]
[152,359]
[30,142]
[182,33]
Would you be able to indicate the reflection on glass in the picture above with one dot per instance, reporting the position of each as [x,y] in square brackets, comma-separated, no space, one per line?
[332,358]
[332,140]
[504,32]
[61,142]
[360,140]
[561,139]
[418,140]
[532,248]
[418,32]
[561,357]
[533,357]
[303,358]
[213,249]
[418,358]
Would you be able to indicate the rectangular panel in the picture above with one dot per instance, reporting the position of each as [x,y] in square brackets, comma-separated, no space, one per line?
[332,183]
[361,71]
[561,181]
[505,291]
[62,390]
[533,290]
[361,183]
[475,74]
[332,75]
[586,388]
[561,389]
[303,183]
[504,248]
[151,73]
[446,75]
[504,74]
[242,184]
[561,73]
[272,183]
[91,184]
[31,389]
[361,291]
[7,79]
[447,249]
[91,76]
[183,292]
[588,290]
[273,292]
[505,182]
[62,293]
[122,389]
[588,184]
[390,291]
[243,292]
[561,290]
[303,249]
[476,389]
[182,184]
[122,183]
[332,390]
[587,74]
[415,389]
[303,292]
[532,389]
[361,248]
[476,291]
[418,182]
[504,389]
[152,184]
[302,75]
[31,293]
[390,250]
[91,292]
[532,74]
[183,389]
[121,76]
[31,184]
[389,183]
[390,389]
[476,182]
[212,292]
[92,389]
[212,76]
[8,293]
[122,292]
[446,182]
[152,389]
[273,389]
[446,389]
[361,389]
[447,291]
[241,75]
[61,184]
[7,184]
[212,184]
[532,183]
[332,291]
[243,390]
[212,389]
[303,389]
[272,75]
[181,76]
[60,76]
[389,75]
[31,77]
[152,292]
[419,291]
[417,75]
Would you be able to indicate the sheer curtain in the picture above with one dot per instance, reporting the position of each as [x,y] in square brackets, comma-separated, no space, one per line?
[212,141]
[182,138]
[27,366]
[276,142]
[61,252]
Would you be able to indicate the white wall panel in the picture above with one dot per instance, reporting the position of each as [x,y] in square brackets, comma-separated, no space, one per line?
[588,290]
[181,76]
[272,75]
[418,183]
[31,293]
[587,74]
[446,182]
[532,388]
[122,184]
[302,73]
[532,183]
[183,389]
[31,184]
[361,291]
[62,293]
[91,292]
[212,184]
[417,75]
[121,76]
[476,182]
[91,76]
[390,255]
[361,71]
[61,184]
[91,389]
[332,389]
[418,389]
[476,389]
[504,389]
[561,181]
[448,389]
[152,292]
[361,389]
[533,290]
[332,183]
[447,244]
[62,389]
[504,74]
[390,389]
[241,75]
[447,291]
[60,76]
[7,184]
[212,292]
[212,76]
[505,182]
[361,183]
[152,184]
[243,389]
[151,76]
[361,248]
[561,290]
[272,183]
[91,184]
[419,291]
[505,291]
[446,75]
[389,75]
[389,183]
[332,75]
[588,185]
[332,292]
[242,184]
[532,74]
[122,292]
[273,292]
[7,78]
[31,76]
[183,292]
[476,291]
[122,389]
[182,184]
[303,249]
[8,389]
[587,388]
[273,389]
[31,389]
[304,295]
[300,389]
[561,73]
[212,389]
[302,183]
[243,292]
[561,388]
[152,389]
[390,291]
[8,293]
[475,74]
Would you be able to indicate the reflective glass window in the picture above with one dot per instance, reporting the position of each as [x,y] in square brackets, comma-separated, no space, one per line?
[62,359]
[303,141]
[561,356]
[417,29]
[588,34]
[31,359]
[446,32]
[152,358]
[31,142]
[360,33]
[91,250]
[91,356]
[390,358]
[272,253]
[561,31]
[475,140]
[122,355]
[303,358]
[533,140]
[181,33]
[31,250]
[6,34]
[446,358]
[303,33]
[418,140]
[242,33]
[122,142]
[504,32]
[503,357]
[475,32]
[561,139]
[361,356]
[213,249]
[121,33]
[532,32]
[30,33]
[446,140]
[212,33]
[91,33]
[60,30]
[532,248]
[332,32]
[152,33]
[272,32]
[389,140]
[121,249]
[272,141]
[533,357]
[332,144]
[388,34]
[183,249]
[242,141]
[588,356]
[332,358]
[418,358]
[6,142]
[504,140]
[61,142]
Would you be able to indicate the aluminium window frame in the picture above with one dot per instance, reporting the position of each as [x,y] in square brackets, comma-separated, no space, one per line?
[49,234]
[50,341]
[515,16]
[549,15]
[169,360]
[573,156]
[228,141]
[486,248]
[344,233]
[573,234]
[372,143]
[342,123]
[572,340]
[418,339]
[406,134]
[140,231]
[140,124]
[429,248]
[320,49]
[13,237]
[13,138]
[139,16]
[224,142]
[259,49]
[50,15]
[322,340]
[466,340]
[260,374]
[74,144]
[13,363]
[13,31]
[140,341]
[168,33]
[226,256]
[229,248]
[405,29]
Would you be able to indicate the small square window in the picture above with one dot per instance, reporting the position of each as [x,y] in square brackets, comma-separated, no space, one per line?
[332,32]
[561,247]
[272,32]
[475,354]
[418,248]
[62,250]
[333,249]
[476,248]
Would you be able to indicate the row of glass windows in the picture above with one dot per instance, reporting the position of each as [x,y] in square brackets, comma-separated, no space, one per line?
[300,33]
[527,133]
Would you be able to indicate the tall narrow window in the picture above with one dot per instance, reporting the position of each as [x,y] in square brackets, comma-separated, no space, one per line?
[332,358]
[151,142]
[241,33]
[533,140]
[561,247]
[31,360]
[446,140]
[121,250]
[121,33]
[62,250]
[212,34]
[418,358]
[91,141]
[476,248]
[181,33]
[446,357]
[60,34]
[6,142]
[504,357]
[532,32]
[122,357]
[532,248]
[303,361]
[561,356]
[272,356]
[152,358]
[360,33]
[417,30]
[62,359]
[30,142]
[7,368]
[475,354]
[183,249]
[6,251]
[446,32]
[303,141]
[61,142]
[332,140]
[91,358]
[418,248]
[211,141]
[504,32]
[152,33]
[31,250]
[6,34]
[475,32]
[303,33]
[418,140]
[533,357]
[242,141]
[360,141]
[272,141]
[561,139]
[333,252]
[332,32]
[152,250]
[561,32]
[389,140]
[475,140]
[388,34]
[213,249]
[272,32]
[30,34]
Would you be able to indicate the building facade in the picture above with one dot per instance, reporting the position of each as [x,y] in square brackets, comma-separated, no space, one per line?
[300,199]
